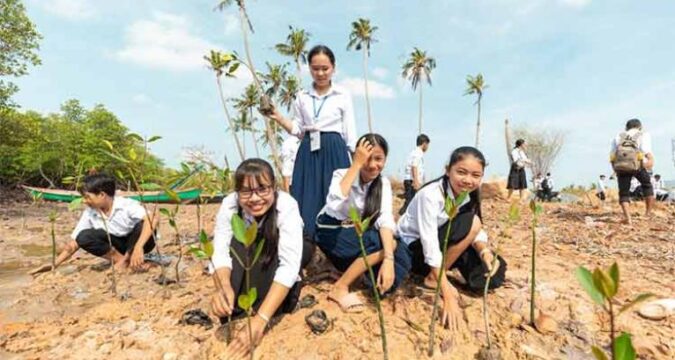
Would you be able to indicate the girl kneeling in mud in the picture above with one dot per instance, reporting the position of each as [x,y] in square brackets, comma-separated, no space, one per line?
[276,274]
[362,186]
[423,226]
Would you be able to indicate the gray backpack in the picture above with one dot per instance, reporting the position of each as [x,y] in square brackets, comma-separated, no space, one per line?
[627,155]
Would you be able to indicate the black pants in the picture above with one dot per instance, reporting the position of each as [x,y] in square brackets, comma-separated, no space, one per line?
[261,277]
[409,195]
[95,241]
[469,263]
[601,195]
[642,176]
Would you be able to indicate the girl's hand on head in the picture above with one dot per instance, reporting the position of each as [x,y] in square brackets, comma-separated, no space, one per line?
[363,151]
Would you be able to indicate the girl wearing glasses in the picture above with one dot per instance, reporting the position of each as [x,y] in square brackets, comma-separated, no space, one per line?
[276,274]
[323,117]
[363,187]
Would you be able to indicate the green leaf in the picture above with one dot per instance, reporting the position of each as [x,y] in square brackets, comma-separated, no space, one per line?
[134,136]
[68,180]
[203,238]
[149,186]
[614,275]
[258,251]
[365,224]
[599,354]
[604,283]
[514,212]
[252,295]
[461,197]
[53,215]
[233,68]
[238,228]
[244,302]
[76,204]
[132,154]
[185,167]
[172,222]
[251,233]
[623,348]
[165,212]
[172,195]
[116,157]
[198,253]
[354,215]
[119,174]
[154,138]
[538,209]
[208,248]
[108,144]
[586,280]
[638,299]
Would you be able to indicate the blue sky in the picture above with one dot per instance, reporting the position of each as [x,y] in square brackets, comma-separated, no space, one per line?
[579,66]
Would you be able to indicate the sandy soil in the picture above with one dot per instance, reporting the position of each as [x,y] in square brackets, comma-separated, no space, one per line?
[71,313]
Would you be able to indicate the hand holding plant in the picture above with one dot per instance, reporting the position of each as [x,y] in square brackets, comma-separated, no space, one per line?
[386,275]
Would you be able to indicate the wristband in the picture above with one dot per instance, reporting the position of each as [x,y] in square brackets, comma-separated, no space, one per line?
[264,317]
[389,257]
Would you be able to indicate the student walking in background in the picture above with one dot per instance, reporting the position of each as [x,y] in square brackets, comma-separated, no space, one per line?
[414,170]
[601,188]
[517,177]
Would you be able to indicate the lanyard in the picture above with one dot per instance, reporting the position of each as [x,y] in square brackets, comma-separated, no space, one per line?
[317,112]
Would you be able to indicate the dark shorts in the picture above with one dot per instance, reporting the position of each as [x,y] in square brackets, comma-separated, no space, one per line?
[624,180]
[95,241]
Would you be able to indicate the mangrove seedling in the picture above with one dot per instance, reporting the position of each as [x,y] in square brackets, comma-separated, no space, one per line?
[536,211]
[113,285]
[451,209]
[171,216]
[53,215]
[360,226]
[602,286]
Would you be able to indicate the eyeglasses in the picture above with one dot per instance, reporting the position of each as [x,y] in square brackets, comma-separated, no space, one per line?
[261,191]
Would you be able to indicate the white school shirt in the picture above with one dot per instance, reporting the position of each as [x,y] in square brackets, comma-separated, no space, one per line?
[549,180]
[519,157]
[416,159]
[658,185]
[643,139]
[425,214]
[601,186]
[289,149]
[125,214]
[290,226]
[337,205]
[336,114]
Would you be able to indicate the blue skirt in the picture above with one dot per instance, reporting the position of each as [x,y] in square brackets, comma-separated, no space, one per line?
[313,173]
[341,246]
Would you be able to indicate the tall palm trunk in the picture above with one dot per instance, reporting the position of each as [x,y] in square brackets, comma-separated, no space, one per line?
[255,141]
[273,145]
[420,120]
[507,137]
[243,138]
[478,124]
[229,120]
[365,77]
[298,70]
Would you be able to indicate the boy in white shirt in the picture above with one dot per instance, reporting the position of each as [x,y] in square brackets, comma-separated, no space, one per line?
[601,188]
[124,220]
[414,170]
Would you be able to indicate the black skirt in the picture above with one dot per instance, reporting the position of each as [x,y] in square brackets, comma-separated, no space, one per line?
[517,178]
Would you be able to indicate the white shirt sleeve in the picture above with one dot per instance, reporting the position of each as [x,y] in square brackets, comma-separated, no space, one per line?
[290,241]
[335,201]
[482,237]
[646,143]
[135,210]
[223,233]
[386,218]
[349,123]
[427,216]
[515,155]
[82,224]
[297,129]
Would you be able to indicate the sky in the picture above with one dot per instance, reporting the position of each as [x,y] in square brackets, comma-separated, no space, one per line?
[583,67]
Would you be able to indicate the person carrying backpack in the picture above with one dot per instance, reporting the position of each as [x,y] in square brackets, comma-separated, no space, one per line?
[631,157]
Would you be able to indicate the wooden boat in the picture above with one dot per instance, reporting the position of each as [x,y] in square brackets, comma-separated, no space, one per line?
[186,195]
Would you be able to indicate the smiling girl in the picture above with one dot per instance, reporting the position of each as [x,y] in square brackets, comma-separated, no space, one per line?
[423,226]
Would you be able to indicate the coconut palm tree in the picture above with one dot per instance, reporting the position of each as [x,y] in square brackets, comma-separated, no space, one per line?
[288,91]
[248,101]
[361,38]
[247,26]
[417,68]
[476,85]
[295,44]
[224,64]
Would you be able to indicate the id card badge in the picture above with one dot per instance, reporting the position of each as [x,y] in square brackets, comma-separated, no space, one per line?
[315,140]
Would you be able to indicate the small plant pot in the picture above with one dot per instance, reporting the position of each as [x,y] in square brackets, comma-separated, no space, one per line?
[318,321]
[492,353]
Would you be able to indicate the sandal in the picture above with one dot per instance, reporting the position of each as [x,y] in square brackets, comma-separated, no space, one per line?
[658,309]
[349,303]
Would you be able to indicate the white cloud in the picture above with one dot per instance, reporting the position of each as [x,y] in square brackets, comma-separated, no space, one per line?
[231,22]
[165,42]
[376,90]
[69,9]
[575,3]
[380,73]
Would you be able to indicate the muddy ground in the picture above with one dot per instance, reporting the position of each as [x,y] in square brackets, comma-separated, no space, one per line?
[72,314]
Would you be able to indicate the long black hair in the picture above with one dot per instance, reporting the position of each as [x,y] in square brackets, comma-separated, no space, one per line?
[374,196]
[262,171]
[321,49]
[519,143]
[458,155]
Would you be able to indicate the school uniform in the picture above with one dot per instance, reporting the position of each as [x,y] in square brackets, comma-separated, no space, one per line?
[601,190]
[124,225]
[415,159]
[644,142]
[335,233]
[292,252]
[289,150]
[517,177]
[326,125]
[422,230]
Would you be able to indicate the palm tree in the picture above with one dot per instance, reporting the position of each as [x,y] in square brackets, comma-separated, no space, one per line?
[295,44]
[288,91]
[223,64]
[361,38]
[248,101]
[246,25]
[417,68]
[476,85]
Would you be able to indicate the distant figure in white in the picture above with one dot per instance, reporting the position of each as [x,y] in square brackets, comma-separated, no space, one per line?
[632,158]
[601,188]
[660,190]
[414,170]
[517,177]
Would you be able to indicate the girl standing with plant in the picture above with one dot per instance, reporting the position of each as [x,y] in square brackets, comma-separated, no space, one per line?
[517,177]
[275,276]
[363,187]
[324,120]
[422,230]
